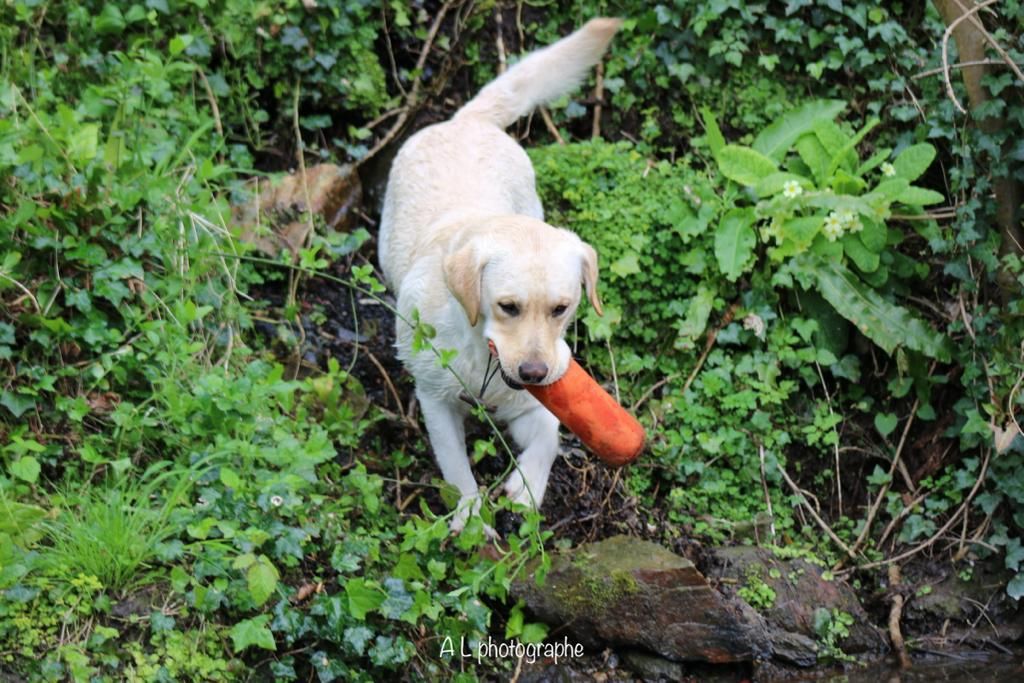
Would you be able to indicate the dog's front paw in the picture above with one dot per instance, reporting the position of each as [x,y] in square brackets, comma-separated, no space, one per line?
[468,507]
[518,491]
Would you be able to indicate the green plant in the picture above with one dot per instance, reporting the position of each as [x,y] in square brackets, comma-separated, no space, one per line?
[113,533]
[819,212]
[832,627]
[756,592]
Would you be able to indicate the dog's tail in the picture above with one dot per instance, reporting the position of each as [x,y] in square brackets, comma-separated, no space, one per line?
[542,76]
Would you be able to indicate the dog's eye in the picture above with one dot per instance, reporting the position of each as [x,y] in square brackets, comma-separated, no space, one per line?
[509,309]
[559,310]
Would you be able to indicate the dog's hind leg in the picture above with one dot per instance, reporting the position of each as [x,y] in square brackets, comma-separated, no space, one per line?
[536,432]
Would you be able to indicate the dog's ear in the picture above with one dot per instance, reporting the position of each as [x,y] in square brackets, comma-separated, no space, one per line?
[590,277]
[462,273]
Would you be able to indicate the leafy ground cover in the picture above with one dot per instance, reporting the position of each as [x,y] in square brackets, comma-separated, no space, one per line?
[812,301]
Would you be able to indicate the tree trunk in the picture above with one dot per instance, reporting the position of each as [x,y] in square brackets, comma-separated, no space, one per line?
[971,46]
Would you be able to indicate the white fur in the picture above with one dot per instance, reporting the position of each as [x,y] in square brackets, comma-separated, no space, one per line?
[462,231]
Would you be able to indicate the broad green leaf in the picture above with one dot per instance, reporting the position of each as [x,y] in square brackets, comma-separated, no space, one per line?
[888,325]
[262,578]
[832,137]
[19,521]
[813,153]
[874,161]
[850,147]
[919,196]
[744,165]
[17,404]
[797,236]
[874,235]
[776,183]
[1015,589]
[885,423]
[866,260]
[26,468]
[775,140]
[363,597]
[890,188]
[914,161]
[84,142]
[696,321]
[534,633]
[734,242]
[230,478]
[251,632]
[628,265]
[716,141]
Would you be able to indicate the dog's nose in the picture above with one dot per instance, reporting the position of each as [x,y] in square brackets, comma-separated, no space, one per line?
[533,371]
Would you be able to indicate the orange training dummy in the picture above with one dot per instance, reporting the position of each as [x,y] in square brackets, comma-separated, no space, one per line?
[592,414]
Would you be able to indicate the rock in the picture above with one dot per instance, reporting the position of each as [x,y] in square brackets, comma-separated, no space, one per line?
[654,668]
[275,217]
[793,648]
[940,594]
[799,589]
[627,592]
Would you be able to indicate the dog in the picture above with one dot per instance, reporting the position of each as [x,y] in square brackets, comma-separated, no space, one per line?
[464,246]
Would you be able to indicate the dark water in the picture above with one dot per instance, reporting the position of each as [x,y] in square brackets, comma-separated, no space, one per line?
[954,669]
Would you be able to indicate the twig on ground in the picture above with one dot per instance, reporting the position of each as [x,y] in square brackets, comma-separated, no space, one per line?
[213,102]
[814,515]
[550,125]
[873,510]
[709,344]
[412,98]
[895,614]
[595,130]
[945,527]
[767,495]
[654,387]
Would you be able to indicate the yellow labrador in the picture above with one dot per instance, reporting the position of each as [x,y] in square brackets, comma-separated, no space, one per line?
[463,242]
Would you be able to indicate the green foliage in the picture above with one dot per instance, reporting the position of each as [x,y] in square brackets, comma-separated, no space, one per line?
[113,534]
[832,627]
[756,593]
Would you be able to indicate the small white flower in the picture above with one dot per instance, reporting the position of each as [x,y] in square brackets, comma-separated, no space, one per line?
[855,226]
[833,227]
[276,501]
[888,170]
[792,189]
[846,218]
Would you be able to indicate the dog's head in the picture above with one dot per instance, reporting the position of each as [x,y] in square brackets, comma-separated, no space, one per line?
[521,279]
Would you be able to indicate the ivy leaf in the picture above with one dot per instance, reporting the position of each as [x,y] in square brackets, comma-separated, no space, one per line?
[744,165]
[356,638]
[885,423]
[534,633]
[1015,589]
[914,161]
[363,597]
[262,579]
[16,403]
[886,324]
[251,632]
[26,468]
[734,242]
[627,265]
[775,140]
